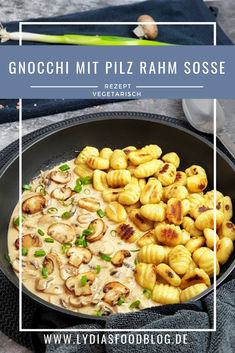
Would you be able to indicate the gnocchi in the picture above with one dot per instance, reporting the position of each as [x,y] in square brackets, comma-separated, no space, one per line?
[100,180]
[151,192]
[195,276]
[192,291]
[130,195]
[167,174]
[116,212]
[145,275]
[166,294]
[174,211]
[168,274]
[140,221]
[152,254]
[154,150]
[153,212]
[172,158]
[205,260]
[106,153]
[146,239]
[118,160]
[224,250]
[227,230]
[97,163]
[139,157]
[179,259]
[168,234]
[86,153]
[147,169]
[118,178]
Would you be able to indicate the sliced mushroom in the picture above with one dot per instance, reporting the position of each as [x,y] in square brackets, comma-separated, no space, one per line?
[62,193]
[16,264]
[146,30]
[114,291]
[79,302]
[45,179]
[52,261]
[89,203]
[43,283]
[60,177]
[64,302]
[85,218]
[74,284]
[28,241]
[105,309]
[105,247]
[34,204]
[97,294]
[46,220]
[79,255]
[119,257]
[48,286]
[98,228]
[35,264]
[62,232]
[67,271]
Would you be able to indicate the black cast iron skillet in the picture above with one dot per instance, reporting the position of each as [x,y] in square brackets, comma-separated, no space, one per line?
[114,130]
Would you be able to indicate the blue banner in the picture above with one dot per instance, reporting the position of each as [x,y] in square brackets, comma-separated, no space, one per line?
[117,72]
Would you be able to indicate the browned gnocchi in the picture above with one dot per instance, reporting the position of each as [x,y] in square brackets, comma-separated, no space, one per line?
[132,226]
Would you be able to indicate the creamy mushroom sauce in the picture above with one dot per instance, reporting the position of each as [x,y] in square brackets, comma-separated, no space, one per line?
[56,291]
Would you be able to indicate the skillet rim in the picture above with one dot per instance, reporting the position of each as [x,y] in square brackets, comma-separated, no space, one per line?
[28,141]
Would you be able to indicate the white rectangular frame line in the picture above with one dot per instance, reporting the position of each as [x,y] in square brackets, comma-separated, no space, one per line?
[21,329]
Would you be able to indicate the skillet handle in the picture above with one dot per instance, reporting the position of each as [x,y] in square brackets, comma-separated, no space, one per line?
[227,142]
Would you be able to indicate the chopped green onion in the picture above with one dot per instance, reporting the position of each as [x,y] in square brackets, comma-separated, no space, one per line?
[81,181]
[40,232]
[100,213]
[98,269]
[41,190]
[135,250]
[98,313]
[113,233]
[105,257]
[24,252]
[85,181]
[78,188]
[78,39]
[39,253]
[135,305]
[67,215]
[65,247]
[52,210]
[27,187]
[81,242]
[19,220]
[135,262]
[44,272]
[87,231]
[120,301]
[64,167]
[49,240]
[147,293]
[83,280]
